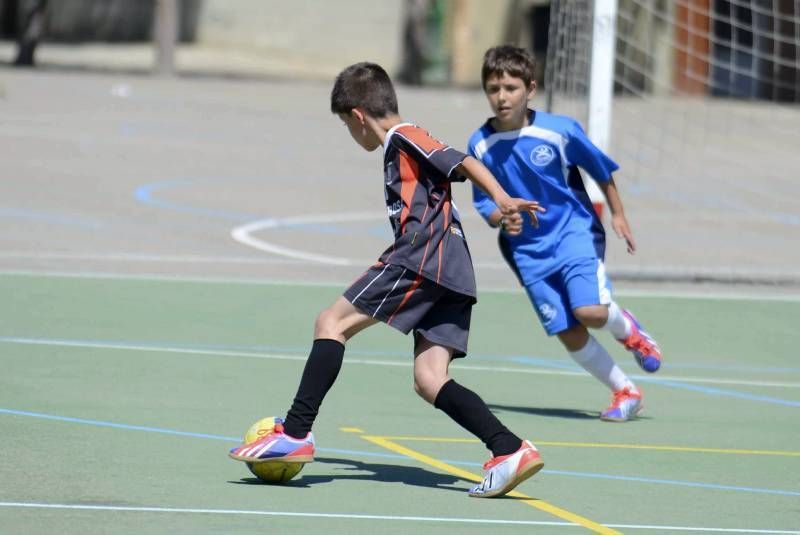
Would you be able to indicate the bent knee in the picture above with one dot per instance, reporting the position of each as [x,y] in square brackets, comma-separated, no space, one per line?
[574,338]
[427,386]
[327,325]
[594,316]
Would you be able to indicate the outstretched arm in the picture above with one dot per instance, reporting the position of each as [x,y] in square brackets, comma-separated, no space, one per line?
[485,180]
[618,220]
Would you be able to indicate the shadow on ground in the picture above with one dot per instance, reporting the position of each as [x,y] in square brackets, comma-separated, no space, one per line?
[348,469]
[577,414]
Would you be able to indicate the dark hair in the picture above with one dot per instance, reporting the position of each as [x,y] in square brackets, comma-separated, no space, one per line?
[512,60]
[364,85]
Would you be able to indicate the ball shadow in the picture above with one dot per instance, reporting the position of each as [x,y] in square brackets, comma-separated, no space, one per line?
[349,469]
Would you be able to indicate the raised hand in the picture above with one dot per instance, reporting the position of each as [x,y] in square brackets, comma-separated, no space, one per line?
[517,206]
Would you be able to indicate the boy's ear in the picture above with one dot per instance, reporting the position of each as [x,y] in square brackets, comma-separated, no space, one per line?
[532,88]
[358,114]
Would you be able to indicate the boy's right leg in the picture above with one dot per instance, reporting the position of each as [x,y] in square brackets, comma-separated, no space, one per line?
[334,326]
[587,352]
[553,299]
[293,441]
[513,460]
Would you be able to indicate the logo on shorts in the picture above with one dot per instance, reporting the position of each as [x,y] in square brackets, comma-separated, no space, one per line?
[548,312]
[542,155]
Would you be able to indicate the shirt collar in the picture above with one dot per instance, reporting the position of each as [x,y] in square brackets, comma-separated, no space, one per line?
[390,132]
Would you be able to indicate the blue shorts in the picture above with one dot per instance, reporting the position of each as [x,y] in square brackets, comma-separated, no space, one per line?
[408,301]
[582,282]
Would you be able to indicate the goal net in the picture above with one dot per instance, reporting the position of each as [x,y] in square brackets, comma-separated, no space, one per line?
[704,117]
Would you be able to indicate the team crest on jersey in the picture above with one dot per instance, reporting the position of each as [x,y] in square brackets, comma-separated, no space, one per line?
[548,312]
[542,155]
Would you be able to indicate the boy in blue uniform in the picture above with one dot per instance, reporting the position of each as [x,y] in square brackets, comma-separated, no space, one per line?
[536,155]
[423,282]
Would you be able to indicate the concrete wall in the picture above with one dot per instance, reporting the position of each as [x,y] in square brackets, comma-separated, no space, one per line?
[307,37]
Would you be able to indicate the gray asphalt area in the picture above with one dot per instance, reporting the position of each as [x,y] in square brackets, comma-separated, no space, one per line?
[256,179]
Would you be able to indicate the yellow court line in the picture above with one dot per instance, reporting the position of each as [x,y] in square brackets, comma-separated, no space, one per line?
[469,476]
[689,449]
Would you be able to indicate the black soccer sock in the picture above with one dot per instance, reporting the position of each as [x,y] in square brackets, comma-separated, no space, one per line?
[322,367]
[470,412]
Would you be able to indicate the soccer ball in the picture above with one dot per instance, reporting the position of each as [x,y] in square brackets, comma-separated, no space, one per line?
[270,471]
[275,472]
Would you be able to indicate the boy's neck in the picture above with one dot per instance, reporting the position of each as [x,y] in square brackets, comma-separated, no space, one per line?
[380,127]
[516,124]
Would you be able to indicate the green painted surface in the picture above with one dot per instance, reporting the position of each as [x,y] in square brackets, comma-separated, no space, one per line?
[75,373]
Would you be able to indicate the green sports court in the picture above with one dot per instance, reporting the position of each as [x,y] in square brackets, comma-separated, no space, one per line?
[121,395]
[166,244]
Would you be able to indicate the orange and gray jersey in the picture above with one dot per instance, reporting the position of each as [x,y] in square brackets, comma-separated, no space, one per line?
[429,240]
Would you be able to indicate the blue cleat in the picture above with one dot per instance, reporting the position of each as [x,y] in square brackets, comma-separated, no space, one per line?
[645,350]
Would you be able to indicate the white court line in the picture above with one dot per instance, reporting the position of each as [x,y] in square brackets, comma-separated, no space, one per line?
[145,258]
[393,518]
[243,235]
[154,277]
[369,362]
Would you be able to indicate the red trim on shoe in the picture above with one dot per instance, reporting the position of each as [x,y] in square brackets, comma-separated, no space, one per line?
[305,452]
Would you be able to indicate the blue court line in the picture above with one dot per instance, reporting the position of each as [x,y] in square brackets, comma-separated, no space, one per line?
[101,423]
[717,203]
[546,362]
[48,217]
[543,363]
[144,194]
[673,482]
[160,430]
[713,391]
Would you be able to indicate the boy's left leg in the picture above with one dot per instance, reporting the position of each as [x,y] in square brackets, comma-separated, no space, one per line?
[586,351]
[513,460]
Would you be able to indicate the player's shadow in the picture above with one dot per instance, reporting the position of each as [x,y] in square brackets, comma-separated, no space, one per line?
[350,469]
[575,414]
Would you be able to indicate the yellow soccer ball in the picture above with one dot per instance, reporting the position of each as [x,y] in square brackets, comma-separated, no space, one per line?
[275,472]
[270,471]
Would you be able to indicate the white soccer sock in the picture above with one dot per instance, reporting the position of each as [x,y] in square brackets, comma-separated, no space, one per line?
[617,324]
[595,359]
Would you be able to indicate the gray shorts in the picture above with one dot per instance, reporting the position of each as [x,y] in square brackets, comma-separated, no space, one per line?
[407,301]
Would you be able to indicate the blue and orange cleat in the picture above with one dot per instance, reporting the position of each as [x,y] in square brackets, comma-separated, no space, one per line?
[625,404]
[502,474]
[645,350]
[276,446]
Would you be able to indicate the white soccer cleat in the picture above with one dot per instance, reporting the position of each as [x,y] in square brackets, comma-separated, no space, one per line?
[626,404]
[502,474]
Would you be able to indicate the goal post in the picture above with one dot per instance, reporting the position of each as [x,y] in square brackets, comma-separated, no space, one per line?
[601,86]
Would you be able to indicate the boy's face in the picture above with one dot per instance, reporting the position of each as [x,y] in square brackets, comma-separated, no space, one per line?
[361,133]
[508,96]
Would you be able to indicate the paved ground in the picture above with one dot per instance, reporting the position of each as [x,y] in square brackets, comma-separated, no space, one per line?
[107,171]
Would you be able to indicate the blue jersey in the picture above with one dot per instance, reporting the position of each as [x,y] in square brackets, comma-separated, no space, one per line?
[540,162]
